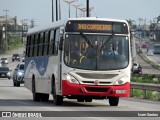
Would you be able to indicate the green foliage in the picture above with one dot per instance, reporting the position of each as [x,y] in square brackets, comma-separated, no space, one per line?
[15,42]
[149,95]
[145,79]
[152,95]
[137,93]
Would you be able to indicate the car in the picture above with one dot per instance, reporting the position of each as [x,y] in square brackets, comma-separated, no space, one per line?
[4,60]
[18,75]
[150,53]
[5,72]
[16,57]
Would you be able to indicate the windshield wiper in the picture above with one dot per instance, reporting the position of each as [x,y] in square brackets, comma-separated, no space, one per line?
[86,39]
[106,42]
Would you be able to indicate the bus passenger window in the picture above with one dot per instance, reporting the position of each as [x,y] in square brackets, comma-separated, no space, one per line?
[41,44]
[36,45]
[56,43]
[51,39]
[46,43]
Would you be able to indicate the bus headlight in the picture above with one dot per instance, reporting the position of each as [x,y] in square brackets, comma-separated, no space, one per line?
[72,79]
[122,80]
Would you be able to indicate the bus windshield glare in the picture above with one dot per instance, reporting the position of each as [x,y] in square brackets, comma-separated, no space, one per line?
[96,52]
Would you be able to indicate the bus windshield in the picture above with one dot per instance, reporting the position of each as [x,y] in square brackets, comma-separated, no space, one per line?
[96,52]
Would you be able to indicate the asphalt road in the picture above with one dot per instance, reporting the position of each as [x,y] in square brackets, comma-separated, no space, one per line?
[147,68]
[20,99]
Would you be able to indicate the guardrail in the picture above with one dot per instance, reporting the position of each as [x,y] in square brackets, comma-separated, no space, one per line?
[144,87]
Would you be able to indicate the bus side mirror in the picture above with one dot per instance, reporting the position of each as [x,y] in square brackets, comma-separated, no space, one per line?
[61,44]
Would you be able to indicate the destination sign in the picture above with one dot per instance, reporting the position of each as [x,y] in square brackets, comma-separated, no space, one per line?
[96,27]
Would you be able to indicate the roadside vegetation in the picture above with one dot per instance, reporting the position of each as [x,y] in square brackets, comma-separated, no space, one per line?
[14,42]
[145,79]
[152,95]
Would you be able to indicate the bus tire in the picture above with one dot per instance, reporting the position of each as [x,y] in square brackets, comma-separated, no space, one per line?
[14,84]
[18,84]
[88,100]
[80,100]
[36,96]
[113,101]
[58,100]
[44,97]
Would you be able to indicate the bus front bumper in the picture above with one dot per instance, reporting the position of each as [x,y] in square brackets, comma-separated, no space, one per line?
[69,89]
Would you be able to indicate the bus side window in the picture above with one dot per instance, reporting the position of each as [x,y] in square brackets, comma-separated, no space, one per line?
[35,45]
[28,46]
[51,39]
[38,42]
[41,44]
[45,47]
[32,45]
[57,38]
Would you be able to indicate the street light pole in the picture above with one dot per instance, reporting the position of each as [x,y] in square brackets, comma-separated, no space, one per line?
[76,6]
[6,41]
[69,3]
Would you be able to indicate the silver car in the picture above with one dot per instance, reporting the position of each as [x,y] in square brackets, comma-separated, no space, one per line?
[18,75]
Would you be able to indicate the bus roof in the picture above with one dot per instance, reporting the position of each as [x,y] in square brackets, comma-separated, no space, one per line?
[63,23]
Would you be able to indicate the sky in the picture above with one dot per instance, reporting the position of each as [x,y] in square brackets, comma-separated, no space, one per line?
[41,10]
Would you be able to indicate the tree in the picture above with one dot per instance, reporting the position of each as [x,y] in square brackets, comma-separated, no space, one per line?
[158,18]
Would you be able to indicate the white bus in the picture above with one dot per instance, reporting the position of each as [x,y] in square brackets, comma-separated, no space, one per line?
[157,49]
[69,59]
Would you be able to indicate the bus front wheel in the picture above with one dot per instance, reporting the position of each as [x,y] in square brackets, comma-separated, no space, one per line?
[113,101]
[58,100]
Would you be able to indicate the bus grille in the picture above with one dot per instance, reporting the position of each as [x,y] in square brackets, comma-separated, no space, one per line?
[97,76]
[93,89]
[93,82]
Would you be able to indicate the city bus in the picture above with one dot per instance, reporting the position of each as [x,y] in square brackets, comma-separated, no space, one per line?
[157,49]
[66,60]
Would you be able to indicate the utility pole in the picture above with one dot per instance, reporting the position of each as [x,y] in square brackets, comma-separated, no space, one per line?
[52,12]
[76,6]
[56,10]
[87,10]
[69,3]
[6,40]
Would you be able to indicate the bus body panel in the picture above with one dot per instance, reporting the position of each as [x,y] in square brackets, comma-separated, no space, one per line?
[43,73]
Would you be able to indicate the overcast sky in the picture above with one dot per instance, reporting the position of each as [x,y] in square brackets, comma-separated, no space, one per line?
[41,10]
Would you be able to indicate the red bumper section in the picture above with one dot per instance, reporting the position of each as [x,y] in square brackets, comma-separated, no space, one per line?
[95,90]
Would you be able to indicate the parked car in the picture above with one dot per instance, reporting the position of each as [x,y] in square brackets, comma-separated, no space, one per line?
[4,60]
[5,72]
[136,68]
[150,53]
[18,74]
[15,57]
